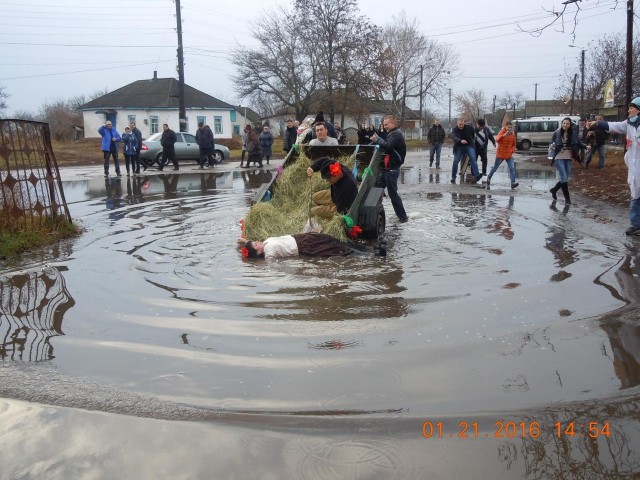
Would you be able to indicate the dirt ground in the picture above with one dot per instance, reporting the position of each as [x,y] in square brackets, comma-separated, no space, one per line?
[609,184]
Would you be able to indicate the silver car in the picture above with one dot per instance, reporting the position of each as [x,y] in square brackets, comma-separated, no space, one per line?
[186,149]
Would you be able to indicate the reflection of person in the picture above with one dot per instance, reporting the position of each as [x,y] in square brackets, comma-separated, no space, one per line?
[322,136]
[566,144]
[463,136]
[168,141]
[483,137]
[630,128]
[205,141]
[343,188]
[110,139]
[266,140]
[436,137]
[395,150]
[307,244]
[506,147]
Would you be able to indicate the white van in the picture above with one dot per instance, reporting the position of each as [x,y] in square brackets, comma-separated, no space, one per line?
[537,131]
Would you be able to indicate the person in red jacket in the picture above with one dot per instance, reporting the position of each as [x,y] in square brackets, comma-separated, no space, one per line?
[506,140]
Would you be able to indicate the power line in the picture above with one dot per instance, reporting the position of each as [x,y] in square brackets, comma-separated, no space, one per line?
[83,71]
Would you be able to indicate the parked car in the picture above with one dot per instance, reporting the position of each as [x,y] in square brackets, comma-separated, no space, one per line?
[186,149]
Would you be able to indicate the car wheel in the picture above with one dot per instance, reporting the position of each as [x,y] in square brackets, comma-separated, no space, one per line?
[159,160]
[525,145]
[218,156]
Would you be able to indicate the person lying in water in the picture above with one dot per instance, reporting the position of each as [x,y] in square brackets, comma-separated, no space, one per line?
[310,244]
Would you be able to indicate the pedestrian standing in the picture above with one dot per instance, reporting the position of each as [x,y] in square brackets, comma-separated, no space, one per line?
[266,141]
[565,145]
[435,136]
[597,139]
[254,151]
[395,150]
[582,136]
[129,149]
[506,148]
[136,157]
[168,141]
[290,136]
[204,139]
[481,142]
[110,139]
[244,144]
[630,128]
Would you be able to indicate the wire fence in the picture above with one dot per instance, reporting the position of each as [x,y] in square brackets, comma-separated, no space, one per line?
[30,185]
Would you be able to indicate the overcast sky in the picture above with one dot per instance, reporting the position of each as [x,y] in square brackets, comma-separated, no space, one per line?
[56,50]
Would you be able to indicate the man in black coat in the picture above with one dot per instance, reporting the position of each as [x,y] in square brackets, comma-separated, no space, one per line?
[136,157]
[483,137]
[436,137]
[290,136]
[463,136]
[395,150]
[168,141]
[204,139]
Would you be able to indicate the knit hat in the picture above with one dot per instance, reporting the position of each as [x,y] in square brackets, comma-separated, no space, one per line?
[329,168]
[320,117]
[636,102]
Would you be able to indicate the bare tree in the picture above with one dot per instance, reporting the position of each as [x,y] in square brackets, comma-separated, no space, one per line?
[604,60]
[284,67]
[410,60]
[61,116]
[3,99]
[472,104]
[507,99]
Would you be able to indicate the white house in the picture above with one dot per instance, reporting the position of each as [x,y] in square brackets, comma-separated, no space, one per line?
[150,103]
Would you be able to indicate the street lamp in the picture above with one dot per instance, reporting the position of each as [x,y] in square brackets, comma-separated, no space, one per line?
[581,77]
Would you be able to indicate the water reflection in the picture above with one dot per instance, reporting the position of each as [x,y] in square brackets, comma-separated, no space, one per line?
[32,307]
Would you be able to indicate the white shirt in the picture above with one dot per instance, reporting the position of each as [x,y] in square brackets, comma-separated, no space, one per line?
[327,141]
[284,246]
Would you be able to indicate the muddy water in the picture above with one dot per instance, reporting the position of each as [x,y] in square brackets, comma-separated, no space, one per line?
[492,311]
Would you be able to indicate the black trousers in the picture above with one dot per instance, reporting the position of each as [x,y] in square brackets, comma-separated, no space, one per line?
[169,153]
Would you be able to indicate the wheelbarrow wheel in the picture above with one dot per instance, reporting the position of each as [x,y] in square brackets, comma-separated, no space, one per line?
[381,222]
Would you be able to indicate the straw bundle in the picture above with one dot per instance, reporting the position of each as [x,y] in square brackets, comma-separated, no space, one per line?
[288,210]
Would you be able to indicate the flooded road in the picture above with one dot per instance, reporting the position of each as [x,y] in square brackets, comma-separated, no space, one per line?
[496,316]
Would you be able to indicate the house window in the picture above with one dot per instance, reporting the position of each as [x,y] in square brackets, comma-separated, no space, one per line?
[217,124]
[154,124]
[233,115]
[201,119]
[132,118]
[236,129]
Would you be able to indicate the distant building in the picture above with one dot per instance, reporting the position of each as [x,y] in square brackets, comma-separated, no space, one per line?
[150,103]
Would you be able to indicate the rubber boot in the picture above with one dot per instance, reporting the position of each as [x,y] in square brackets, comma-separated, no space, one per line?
[565,191]
[554,190]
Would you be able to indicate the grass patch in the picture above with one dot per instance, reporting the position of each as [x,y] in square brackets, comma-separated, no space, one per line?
[14,241]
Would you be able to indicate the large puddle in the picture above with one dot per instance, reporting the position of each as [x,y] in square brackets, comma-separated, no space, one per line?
[490,308]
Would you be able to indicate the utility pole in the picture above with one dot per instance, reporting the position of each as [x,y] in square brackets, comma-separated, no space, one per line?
[449,109]
[573,93]
[421,124]
[582,112]
[535,99]
[629,69]
[182,112]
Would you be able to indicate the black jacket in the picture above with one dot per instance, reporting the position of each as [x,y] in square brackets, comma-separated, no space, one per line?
[467,133]
[204,138]
[395,147]
[136,131]
[436,134]
[290,137]
[344,191]
[168,138]
[488,137]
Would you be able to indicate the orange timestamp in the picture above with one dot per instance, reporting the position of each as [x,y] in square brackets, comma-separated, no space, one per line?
[510,429]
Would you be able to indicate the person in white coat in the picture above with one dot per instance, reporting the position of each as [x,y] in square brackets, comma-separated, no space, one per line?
[630,128]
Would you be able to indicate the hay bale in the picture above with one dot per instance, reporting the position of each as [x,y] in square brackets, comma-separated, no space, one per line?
[288,210]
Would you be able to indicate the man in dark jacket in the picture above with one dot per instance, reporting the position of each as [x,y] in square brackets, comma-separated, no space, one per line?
[435,136]
[168,141]
[463,136]
[395,150]
[204,139]
[136,157]
[344,188]
[483,137]
[290,136]
[596,139]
